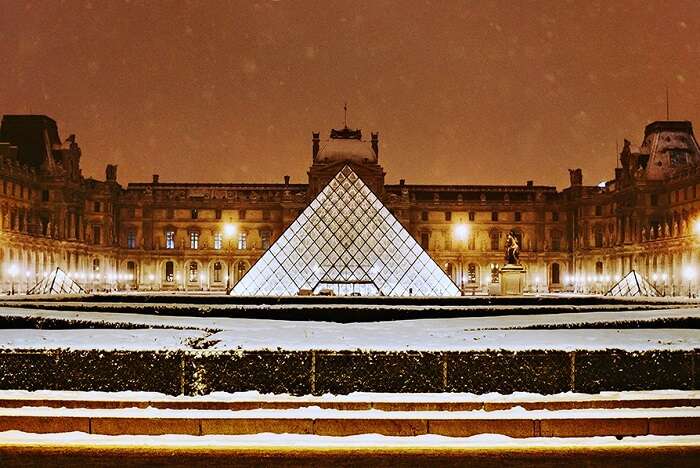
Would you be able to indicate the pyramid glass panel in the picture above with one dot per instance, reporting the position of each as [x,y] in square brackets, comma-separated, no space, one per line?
[57,282]
[633,284]
[346,241]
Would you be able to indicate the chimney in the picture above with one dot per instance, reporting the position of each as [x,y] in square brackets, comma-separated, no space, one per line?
[529,184]
[155,178]
[375,143]
[402,182]
[316,139]
[286,180]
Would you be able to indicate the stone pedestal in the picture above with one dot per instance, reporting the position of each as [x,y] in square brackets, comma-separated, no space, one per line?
[512,280]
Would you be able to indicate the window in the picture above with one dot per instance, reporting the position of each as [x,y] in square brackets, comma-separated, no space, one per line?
[241,214]
[193,275]
[448,216]
[424,216]
[598,268]
[169,239]
[471,273]
[95,267]
[654,199]
[449,270]
[494,240]
[555,216]
[555,273]
[556,241]
[494,216]
[518,216]
[131,271]
[194,213]
[169,213]
[599,238]
[96,235]
[169,272]
[218,240]
[472,216]
[265,237]
[44,195]
[243,240]
[266,215]
[97,207]
[131,239]
[194,240]
[425,240]
[217,214]
[598,210]
[217,272]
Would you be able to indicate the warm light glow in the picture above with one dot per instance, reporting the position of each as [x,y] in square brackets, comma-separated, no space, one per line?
[461,231]
[151,277]
[229,230]
[689,272]
[696,226]
[13,270]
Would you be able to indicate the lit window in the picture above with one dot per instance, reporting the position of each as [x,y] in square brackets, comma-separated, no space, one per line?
[194,213]
[170,239]
[194,240]
[243,240]
[218,240]
[217,272]
[131,240]
[472,216]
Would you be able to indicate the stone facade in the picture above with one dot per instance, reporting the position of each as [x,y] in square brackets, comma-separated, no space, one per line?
[186,236]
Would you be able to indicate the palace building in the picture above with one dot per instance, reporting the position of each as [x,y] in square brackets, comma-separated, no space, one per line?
[193,237]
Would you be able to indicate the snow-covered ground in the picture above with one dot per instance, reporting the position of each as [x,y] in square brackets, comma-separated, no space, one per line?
[577,319]
[310,441]
[422,335]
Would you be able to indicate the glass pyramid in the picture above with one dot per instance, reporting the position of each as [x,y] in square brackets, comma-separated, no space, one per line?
[57,282]
[346,242]
[633,284]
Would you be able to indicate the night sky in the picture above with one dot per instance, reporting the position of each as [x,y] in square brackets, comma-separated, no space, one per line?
[472,92]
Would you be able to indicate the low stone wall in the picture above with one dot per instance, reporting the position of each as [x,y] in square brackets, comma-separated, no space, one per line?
[316,372]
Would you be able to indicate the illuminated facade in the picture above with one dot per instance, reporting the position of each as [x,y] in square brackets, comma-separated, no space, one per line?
[186,236]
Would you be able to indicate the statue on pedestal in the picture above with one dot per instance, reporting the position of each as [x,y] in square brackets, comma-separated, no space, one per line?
[512,256]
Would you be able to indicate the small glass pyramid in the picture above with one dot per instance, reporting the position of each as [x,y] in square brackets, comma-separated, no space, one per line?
[57,282]
[346,242]
[633,284]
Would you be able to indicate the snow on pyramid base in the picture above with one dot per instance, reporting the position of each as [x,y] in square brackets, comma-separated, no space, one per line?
[346,242]
[58,282]
[633,284]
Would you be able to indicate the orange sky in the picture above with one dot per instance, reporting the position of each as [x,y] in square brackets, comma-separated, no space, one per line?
[460,91]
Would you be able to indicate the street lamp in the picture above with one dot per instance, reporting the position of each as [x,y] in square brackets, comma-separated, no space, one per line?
[13,270]
[689,275]
[229,232]
[461,233]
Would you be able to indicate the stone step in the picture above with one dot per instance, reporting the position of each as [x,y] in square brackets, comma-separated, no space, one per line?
[517,423]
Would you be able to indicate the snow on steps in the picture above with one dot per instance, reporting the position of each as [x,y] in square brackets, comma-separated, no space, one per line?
[463,415]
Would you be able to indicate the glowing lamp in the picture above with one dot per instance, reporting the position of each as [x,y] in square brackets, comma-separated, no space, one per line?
[461,231]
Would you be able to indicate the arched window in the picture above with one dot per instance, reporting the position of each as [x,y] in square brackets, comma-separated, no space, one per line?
[449,270]
[217,272]
[193,275]
[598,268]
[169,272]
[555,273]
[95,265]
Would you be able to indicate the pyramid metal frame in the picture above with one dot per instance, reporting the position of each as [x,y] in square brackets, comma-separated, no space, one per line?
[346,236]
[633,284]
[58,282]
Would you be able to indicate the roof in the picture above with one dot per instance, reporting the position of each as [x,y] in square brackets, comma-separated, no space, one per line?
[346,149]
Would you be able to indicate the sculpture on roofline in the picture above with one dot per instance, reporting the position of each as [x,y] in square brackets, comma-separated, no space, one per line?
[512,256]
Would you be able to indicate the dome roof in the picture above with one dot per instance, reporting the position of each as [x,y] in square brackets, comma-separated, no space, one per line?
[346,150]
